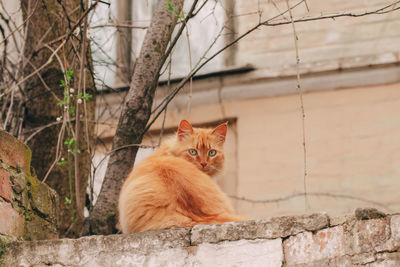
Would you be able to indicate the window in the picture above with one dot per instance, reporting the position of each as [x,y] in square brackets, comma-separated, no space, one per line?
[114,61]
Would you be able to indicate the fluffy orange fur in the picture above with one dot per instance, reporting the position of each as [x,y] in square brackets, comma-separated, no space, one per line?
[173,187]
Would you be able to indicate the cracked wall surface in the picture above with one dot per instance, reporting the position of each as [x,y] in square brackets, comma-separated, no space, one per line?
[366,238]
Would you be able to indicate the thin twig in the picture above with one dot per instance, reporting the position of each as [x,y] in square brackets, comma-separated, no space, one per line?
[9,110]
[191,69]
[123,147]
[77,114]
[44,83]
[303,116]
[49,60]
[118,26]
[178,34]
[333,16]
[169,88]
[58,149]
[37,130]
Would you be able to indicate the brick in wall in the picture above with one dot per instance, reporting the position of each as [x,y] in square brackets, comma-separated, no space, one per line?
[14,153]
[259,252]
[370,235]
[395,230]
[11,222]
[308,247]
[5,185]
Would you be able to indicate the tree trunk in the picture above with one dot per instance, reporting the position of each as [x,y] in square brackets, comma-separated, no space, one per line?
[52,19]
[135,115]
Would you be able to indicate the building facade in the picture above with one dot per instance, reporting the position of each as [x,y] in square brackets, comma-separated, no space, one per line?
[350,79]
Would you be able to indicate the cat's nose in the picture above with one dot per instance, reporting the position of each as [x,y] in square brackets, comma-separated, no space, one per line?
[203,164]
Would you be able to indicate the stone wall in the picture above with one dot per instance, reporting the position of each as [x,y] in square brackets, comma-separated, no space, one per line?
[367,237]
[27,206]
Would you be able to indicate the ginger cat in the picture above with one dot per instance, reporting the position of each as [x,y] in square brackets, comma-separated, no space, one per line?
[173,187]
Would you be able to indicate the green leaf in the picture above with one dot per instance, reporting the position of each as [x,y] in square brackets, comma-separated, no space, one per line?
[71,110]
[61,163]
[69,74]
[169,6]
[66,96]
[63,83]
[70,142]
[61,103]
[75,150]
[87,96]
[67,201]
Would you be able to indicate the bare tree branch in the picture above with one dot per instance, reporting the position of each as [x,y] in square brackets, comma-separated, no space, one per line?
[303,115]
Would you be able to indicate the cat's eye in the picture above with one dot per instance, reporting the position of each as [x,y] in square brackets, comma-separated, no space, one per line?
[212,152]
[192,152]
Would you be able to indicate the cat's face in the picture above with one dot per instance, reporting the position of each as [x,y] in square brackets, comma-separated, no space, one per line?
[202,147]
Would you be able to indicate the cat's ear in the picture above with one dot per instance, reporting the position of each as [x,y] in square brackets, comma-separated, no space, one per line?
[184,128]
[220,131]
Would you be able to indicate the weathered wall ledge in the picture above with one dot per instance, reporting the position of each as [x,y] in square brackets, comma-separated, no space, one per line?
[367,238]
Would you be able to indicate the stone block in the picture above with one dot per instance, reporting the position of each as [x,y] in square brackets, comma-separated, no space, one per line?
[14,153]
[153,248]
[371,235]
[43,199]
[338,220]
[343,261]
[368,213]
[259,252]
[390,259]
[11,222]
[267,228]
[395,230]
[5,185]
[308,247]
[363,258]
[37,228]
[18,182]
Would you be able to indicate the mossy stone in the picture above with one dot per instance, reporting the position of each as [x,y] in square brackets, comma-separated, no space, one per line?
[43,199]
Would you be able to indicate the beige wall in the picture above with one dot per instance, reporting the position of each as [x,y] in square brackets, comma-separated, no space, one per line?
[352,142]
[324,44]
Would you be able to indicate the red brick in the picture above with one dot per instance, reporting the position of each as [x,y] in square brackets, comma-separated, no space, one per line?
[14,153]
[308,247]
[11,222]
[5,185]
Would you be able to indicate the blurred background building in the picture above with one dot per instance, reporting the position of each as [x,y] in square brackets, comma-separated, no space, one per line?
[350,76]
